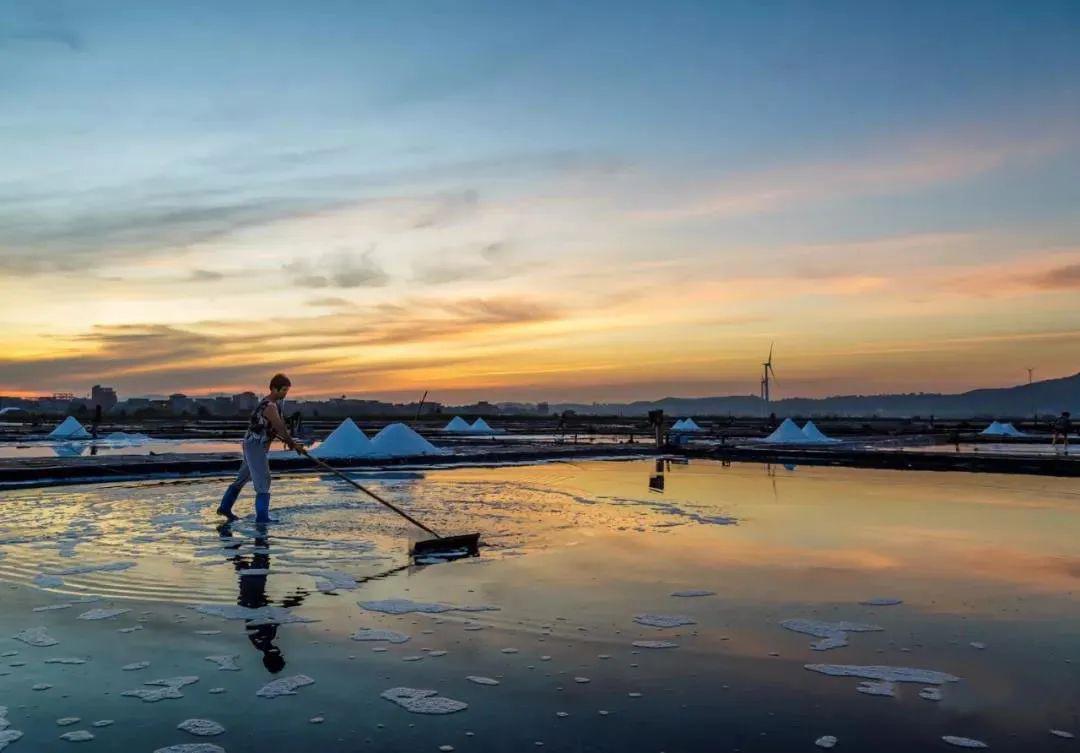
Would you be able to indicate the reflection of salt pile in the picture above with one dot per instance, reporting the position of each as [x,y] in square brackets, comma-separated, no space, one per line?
[121,439]
[70,428]
[814,434]
[346,441]
[787,433]
[457,425]
[398,441]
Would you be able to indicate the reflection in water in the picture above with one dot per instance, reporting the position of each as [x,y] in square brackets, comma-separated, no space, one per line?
[69,449]
[253,593]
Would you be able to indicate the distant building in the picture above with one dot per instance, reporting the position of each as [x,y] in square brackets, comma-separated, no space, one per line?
[180,403]
[103,396]
[245,402]
[543,409]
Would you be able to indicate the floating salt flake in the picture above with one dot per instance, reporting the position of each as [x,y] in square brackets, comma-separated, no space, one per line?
[334,580]
[48,581]
[103,723]
[509,650]
[562,714]
[131,629]
[977,644]
[437,653]
[833,634]
[41,686]
[52,607]
[930,694]
[102,614]
[582,680]
[417,701]
[404,606]
[284,686]
[254,617]
[78,736]
[416,657]
[316,720]
[8,736]
[168,687]
[964,742]
[65,660]
[826,741]
[67,721]
[877,687]
[374,634]
[216,691]
[201,727]
[207,632]
[1062,734]
[655,644]
[446,748]
[482,680]
[36,636]
[877,672]
[135,666]
[693,593]
[663,620]
[634,695]
[105,567]
[225,662]
[192,748]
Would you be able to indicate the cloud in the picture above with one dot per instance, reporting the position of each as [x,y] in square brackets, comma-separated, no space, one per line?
[205,275]
[340,270]
[1060,278]
[490,261]
[329,302]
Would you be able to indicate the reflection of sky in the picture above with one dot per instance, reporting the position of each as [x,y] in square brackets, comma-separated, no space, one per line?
[974,557]
[512,201]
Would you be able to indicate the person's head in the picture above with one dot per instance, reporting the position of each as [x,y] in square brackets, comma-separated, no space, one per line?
[279,386]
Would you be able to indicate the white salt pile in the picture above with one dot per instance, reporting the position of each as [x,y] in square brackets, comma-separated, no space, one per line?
[37,636]
[346,441]
[814,435]
[69,428]
[398,441]
[663,620]
[284,686]
[168,687]
[832,634]
[480,426]
[373,634]
[787,433]
[964,742]
[418,701]
[102,614]
[225,662]
[201,727]
[457,425]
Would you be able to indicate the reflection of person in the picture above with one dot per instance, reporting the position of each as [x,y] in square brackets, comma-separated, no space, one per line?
[265,425]
[1062,428]
[252,595]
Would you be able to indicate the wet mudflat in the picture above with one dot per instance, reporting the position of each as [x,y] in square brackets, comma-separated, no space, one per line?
[621,606]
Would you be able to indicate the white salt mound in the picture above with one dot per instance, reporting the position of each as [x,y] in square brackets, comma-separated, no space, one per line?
[398,440]
[201,727]
[964,742]
[69,428]
[787,432]
[346,441]
[457,425]
[663,620]
[418,701]
[284,686]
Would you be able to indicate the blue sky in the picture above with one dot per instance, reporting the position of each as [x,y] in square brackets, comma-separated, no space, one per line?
[735,142]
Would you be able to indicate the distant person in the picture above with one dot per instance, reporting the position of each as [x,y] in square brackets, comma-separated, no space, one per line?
[1062,428]
[265,425]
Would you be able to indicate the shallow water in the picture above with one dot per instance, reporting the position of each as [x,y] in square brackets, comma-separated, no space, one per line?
[578,551]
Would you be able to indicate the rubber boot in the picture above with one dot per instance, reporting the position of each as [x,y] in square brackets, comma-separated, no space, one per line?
[227,502]
[262,508]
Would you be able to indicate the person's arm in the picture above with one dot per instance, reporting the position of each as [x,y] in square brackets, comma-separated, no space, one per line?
[279,427]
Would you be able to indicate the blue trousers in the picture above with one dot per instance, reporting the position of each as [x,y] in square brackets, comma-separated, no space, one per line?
[256,469]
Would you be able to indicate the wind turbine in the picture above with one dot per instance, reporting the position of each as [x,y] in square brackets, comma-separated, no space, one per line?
[766,369]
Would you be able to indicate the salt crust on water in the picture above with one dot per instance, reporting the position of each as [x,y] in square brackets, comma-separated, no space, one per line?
[663,620]
[655,644]
[334,580]
[52,607]
[418,701]
[690,593]
[168,687]
[374,634]
[877,687]
[36,636]
[201,727]
[284,686]
[102,723]
[1062,734]
[102,614]
[482,680]
[106,567]
[833,634]
[964,742]
[78,736]
[404,606]
[192,748]
[882,602]
[225,662]
[826,741]
[135,665]
[48,581]
[65,660]
[67,721]
[930,694]
[256,617]
[889,674]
